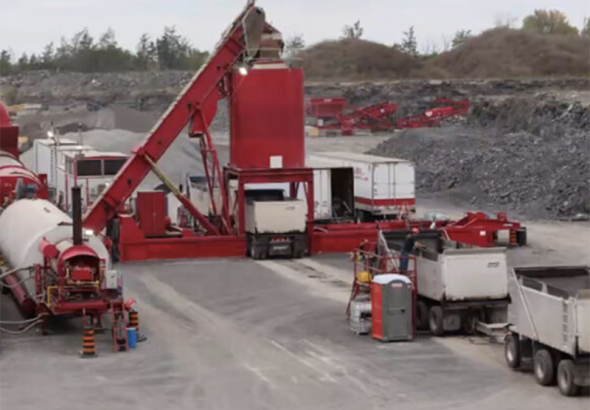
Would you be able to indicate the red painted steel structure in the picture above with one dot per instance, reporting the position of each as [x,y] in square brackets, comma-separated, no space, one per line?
[196,104]
[11,169]
[266,113]
[72,282]
[475,228]
[336,114]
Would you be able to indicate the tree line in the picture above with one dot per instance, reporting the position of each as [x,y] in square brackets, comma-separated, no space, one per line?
[546,22]
[83,53]
[172,51]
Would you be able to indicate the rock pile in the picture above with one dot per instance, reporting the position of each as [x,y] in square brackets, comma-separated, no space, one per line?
[517,155]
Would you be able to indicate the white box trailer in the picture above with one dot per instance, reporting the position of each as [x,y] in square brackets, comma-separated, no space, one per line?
[45,157]
[384,188]
[92,170]
[333,190]
[550,325]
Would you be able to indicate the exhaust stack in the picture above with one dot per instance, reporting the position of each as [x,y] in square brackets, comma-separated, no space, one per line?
[77,215]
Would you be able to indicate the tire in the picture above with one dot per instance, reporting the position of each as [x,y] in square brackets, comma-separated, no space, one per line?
[253,252]
[565,378]
[436,321]
[544,368]
[469,323]
[421,315]
[512,351]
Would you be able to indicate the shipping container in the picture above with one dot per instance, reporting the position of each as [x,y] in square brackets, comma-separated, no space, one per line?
[384,188]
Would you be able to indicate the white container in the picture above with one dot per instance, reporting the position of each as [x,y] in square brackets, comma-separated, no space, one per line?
[382,186]
[275,217]
[325,174]
[45,158]
[461,275]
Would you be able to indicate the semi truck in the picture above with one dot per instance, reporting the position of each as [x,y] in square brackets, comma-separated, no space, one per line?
[460,287]
[550,325]
[384,188]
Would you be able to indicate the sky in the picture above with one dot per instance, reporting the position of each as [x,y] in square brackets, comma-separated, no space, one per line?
[28,25]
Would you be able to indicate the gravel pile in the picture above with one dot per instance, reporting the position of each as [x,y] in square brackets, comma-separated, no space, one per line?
[528,156]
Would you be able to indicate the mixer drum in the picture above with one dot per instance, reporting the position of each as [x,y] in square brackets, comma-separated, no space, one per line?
[26,222]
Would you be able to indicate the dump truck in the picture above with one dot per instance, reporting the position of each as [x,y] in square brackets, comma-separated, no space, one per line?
[550,325]
[275,225]
[460,287]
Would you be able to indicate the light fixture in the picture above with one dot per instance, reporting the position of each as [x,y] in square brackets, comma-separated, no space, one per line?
[50,134]
[88,232]
[243,70]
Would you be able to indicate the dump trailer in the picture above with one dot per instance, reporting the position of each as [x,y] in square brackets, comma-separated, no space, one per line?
[550,325]
[460,287]
[274,225]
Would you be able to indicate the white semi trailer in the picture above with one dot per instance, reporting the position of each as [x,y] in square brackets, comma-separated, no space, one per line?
[384,188]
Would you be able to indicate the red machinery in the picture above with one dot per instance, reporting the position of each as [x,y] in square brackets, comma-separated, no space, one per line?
[267,142]
[477,229]
[51,268]
[16,181]
[337,114]
[54,269]
[265,100]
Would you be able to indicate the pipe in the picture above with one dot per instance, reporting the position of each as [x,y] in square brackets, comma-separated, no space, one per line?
[77,215]
[20,293]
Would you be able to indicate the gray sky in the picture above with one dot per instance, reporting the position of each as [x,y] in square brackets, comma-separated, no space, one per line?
[27,25]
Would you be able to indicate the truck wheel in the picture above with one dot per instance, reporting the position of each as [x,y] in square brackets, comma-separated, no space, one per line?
[436,321]
[512,351]
[565,378]
[421,315]
[469,323]
[253,252]
[544,367]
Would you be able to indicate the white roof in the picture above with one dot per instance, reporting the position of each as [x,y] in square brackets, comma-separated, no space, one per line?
[51,141]
[67,148]
[319,163]
[353,156]
[91,152]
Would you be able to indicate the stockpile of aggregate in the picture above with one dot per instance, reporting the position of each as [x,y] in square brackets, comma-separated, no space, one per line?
[525,155]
